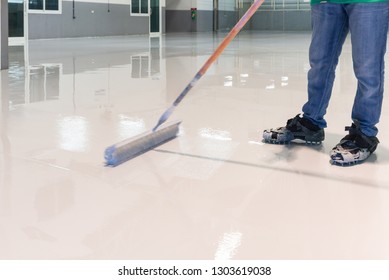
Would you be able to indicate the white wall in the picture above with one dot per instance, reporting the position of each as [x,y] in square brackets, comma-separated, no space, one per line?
[205,5]
[181,4]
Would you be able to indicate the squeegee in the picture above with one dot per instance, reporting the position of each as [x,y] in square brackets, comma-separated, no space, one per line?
[161,133]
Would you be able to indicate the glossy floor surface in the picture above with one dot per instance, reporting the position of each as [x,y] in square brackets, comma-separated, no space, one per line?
[214,192]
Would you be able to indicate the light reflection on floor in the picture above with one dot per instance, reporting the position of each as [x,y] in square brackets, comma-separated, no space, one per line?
[216,191]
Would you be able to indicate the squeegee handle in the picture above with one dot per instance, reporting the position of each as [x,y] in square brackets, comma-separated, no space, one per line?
[231,35]
[234,31]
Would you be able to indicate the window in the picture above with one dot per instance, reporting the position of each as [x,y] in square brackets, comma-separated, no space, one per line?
[48,6]
[51,5]
[284,5]
[140,7]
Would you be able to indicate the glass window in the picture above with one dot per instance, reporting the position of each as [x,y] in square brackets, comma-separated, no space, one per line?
[15,18]
[135,6]
[140,7]
[44,5]
[35,4]
[51,5]
[144,7]
[283,5]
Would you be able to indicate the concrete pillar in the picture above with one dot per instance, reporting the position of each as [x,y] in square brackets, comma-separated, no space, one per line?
[3,34]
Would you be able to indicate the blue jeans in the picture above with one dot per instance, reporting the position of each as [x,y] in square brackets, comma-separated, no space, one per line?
[368,26]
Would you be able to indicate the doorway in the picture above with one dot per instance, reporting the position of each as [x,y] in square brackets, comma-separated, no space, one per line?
[155,17]
[17,22]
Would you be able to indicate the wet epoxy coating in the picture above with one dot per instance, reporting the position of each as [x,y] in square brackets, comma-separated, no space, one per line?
[214,192]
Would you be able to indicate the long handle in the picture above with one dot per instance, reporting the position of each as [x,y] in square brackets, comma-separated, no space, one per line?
[234,31]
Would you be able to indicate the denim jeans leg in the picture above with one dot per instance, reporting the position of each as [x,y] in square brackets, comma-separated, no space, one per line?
[368,28]
[329,31]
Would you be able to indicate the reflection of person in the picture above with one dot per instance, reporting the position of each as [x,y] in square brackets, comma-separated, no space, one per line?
[331,22]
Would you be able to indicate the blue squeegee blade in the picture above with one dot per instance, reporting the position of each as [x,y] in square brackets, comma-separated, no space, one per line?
[135,146]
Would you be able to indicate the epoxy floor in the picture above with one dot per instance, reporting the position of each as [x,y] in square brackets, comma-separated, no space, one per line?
[216,191]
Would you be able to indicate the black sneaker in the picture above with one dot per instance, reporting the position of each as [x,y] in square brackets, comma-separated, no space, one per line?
[354,148]
[297,128]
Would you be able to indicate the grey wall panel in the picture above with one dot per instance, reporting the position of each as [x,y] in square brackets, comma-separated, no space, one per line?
[298,20]
[4,61]
[92,19]
[204,21]
[179,21]
[282,20]
[263,20]
[227,19]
